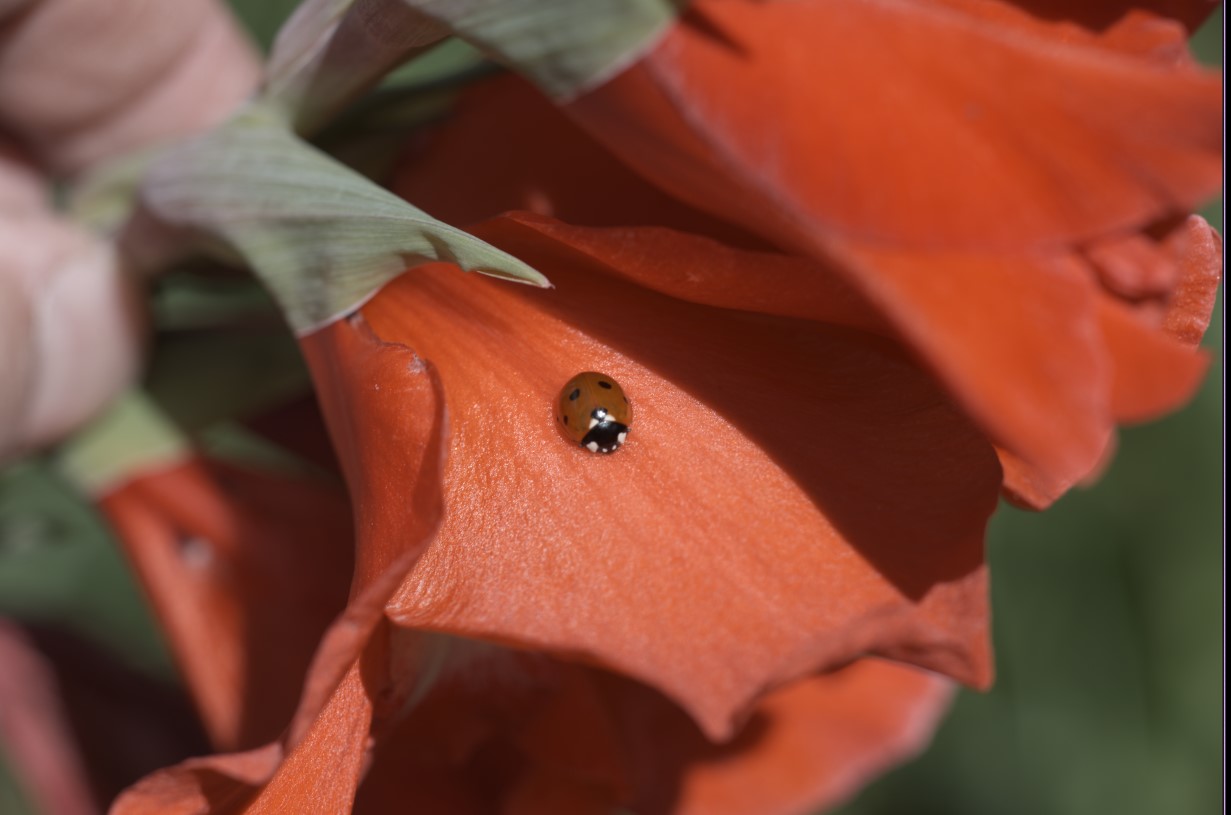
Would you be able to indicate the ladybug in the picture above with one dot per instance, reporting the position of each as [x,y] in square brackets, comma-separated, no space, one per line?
[594,412]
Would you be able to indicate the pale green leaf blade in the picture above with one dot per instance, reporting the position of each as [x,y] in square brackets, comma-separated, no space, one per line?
[566,47]
[331,51]
[321,237]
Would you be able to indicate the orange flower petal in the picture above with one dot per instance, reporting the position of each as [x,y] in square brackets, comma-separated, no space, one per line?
[926,124]
[382,405]
[764,450]
[1147,347]
[245,570]
[385,413]
[323,771]
[1132,267]
[1016,339]
[807,746]
[1153,373]
[1197,249]
[701,270]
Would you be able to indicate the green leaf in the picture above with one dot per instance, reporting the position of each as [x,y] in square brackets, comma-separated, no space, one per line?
[331,51]
[321,237]
[566,47]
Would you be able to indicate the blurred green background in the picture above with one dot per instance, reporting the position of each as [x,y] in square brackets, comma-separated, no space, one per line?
[1108,619]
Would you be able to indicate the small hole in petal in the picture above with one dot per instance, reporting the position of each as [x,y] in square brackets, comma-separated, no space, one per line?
[195,551]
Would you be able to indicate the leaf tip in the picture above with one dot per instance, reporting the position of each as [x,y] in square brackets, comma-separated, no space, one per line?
[526,276]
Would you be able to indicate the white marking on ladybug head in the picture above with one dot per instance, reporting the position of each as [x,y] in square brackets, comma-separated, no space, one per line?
[593,422]
[592,447]
[620,438]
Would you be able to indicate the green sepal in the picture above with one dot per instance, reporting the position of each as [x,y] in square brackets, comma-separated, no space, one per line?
[322,238]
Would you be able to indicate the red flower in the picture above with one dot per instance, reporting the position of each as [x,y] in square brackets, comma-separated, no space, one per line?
[715,557]
[845,308]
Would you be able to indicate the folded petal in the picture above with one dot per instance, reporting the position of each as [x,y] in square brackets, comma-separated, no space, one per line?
[1153,373]
[1149,366]
[1016,339]
[323,771]
[922,124]
[1197,250]
[704,271]
[792,495]
[387,419]
[806,748]
[381,403]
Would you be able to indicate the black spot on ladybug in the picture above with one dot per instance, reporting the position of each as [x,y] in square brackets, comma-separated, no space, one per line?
[606,437]
[604,385]
[572,397]
[565,419]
